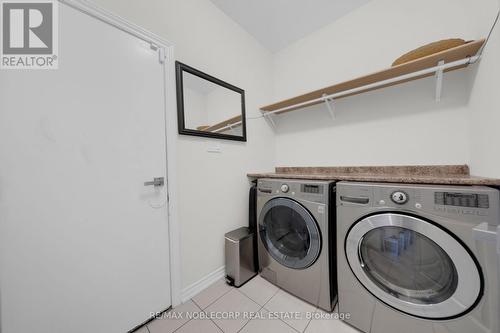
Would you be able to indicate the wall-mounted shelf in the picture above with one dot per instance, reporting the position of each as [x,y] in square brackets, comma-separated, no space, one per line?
[435,64]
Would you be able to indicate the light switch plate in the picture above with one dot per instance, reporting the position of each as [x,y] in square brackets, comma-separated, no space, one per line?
[214,149]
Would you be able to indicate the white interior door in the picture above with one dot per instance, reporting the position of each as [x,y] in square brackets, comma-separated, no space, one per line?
[83,243]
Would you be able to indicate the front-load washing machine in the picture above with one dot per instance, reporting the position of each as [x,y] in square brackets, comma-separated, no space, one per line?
[296,238]
[418,258]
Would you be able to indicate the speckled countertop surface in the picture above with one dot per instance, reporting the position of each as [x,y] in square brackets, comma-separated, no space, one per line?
[417,174]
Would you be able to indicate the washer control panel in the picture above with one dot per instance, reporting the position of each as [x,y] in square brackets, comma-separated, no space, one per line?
[470,203]
[458,199]
[399,197]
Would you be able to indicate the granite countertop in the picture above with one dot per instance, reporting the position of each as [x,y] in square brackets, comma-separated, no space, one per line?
[418,174]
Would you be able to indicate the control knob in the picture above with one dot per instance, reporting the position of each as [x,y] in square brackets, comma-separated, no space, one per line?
[285,188]
[399,197]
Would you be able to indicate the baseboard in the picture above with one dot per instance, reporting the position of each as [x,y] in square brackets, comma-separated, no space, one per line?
[193,289]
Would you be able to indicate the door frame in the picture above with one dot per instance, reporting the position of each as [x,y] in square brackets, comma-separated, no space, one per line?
[165,51]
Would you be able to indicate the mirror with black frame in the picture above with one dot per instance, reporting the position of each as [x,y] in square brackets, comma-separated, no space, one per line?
[209,107]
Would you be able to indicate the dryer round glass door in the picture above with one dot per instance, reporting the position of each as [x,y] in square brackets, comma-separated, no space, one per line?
[289,233]
[413,266]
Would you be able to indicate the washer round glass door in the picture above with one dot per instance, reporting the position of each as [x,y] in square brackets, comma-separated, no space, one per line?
[289,233]
[413,266]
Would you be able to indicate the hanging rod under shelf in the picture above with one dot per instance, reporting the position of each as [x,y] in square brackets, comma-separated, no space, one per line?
[447,60]
[230,126]
[458,57]
[423,72]
[406,77]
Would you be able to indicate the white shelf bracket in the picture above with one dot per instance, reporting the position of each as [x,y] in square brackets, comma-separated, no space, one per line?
[439,81]
[269,118]
[330,105]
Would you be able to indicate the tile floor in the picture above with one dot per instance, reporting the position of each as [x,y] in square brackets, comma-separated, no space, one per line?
[256,307]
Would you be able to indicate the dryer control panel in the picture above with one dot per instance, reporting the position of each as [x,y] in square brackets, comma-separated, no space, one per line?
[310,190]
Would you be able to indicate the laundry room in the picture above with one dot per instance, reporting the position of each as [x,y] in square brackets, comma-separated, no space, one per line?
[272,166]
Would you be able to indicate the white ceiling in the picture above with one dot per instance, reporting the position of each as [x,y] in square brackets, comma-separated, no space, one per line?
[278,23]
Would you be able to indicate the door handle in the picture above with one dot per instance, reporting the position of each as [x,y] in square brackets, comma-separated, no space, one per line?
[160,181]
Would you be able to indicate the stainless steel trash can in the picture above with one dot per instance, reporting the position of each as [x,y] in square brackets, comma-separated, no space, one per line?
[239,250]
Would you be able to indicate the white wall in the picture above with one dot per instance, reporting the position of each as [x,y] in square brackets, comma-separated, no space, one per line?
[212,187]
[485,112]
[399,125]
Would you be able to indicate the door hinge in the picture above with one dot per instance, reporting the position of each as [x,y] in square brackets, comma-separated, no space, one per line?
[161,52]
[162,55]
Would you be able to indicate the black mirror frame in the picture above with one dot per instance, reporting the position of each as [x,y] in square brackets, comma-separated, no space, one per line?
[179,69]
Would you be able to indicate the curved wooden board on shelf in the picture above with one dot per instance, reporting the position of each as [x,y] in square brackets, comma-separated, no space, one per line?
[450,55]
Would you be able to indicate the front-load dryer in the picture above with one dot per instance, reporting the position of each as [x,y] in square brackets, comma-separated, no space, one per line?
[418,258]
[296,238]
